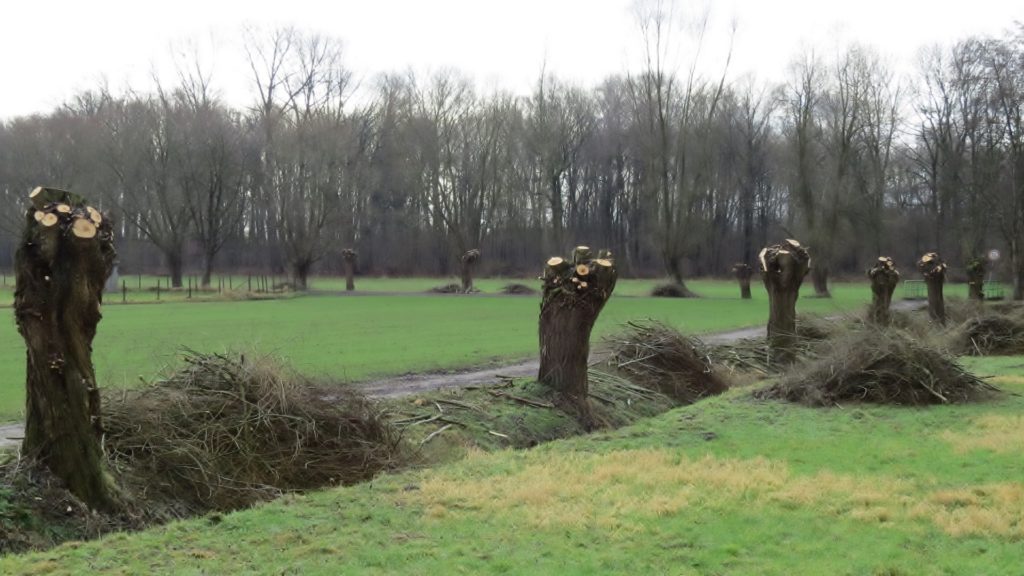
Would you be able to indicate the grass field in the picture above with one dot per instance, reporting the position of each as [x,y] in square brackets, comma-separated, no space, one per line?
[730,485]
[352,338]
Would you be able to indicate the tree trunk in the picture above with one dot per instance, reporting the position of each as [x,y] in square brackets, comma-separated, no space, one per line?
[175,263]
[976,270]
[884,278]
[575,291]
[1018,277]
[675,271]
[783,268]
[469,260]
[819,276]
[63,261]
[933,269]
[208,269]
[349,256]
[300,274]
[743,274]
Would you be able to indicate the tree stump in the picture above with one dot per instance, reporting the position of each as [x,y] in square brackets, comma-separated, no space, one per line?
[783,267]
[884,279]
[469,260]
[574,292]
[976,270]
[743,273]
[62,263]
[349,255]
[933,269]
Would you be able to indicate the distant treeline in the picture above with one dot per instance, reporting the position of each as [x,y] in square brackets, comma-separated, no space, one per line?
[676,173]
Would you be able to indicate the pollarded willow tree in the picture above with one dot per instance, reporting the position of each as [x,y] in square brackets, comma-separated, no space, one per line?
[63,260]
[575,291]
[884,278]
[933,268]
[783,267]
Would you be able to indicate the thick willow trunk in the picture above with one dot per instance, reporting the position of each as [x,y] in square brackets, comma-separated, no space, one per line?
[884,279]
[469,260]
[575,291]
[175,265]
[976,270]
[783,267]
[743,274]
[62,263]
[933,269]
[300,274]
[819,276]
[349,255]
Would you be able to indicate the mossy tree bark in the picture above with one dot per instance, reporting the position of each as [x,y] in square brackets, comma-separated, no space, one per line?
[349,255]
[884,279]
[64,258]
[976,270]
[575,291]
[783,267]
[933,269]
[469,260]
[743,273]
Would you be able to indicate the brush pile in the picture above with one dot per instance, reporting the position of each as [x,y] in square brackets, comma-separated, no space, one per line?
[654,355]
[992,334]
[446,289]
[517,289]
[224,432]
[881,367]
[672,291]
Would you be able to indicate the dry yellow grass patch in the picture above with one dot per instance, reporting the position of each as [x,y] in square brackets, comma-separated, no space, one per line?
[985,510]
[618,490]
[1007,380]
[993,432]
[604,490]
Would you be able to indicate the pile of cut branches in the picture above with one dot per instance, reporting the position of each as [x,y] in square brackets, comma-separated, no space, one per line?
[661,358]
[446,289]
[516,289]
[672,291]
[226,431]
[879,366]
[992,334]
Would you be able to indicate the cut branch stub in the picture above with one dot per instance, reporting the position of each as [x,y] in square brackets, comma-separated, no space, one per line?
[62,263]
[933,269]
[884,279]
[581,254]
[783,268]
[574,294]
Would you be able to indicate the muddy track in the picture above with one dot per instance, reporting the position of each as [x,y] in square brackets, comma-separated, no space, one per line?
[397,386]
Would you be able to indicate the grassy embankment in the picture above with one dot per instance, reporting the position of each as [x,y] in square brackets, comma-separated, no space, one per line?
[352,338]
[729,485]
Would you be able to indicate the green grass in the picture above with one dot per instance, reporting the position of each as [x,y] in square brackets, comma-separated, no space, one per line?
[728,486]
[353,338]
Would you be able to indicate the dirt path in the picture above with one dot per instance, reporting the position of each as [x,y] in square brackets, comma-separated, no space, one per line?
[396,386]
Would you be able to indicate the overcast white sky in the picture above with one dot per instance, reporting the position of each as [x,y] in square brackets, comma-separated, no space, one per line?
[50,49]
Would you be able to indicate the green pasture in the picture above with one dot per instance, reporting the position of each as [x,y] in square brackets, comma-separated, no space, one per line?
[731,485]
[358,337]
